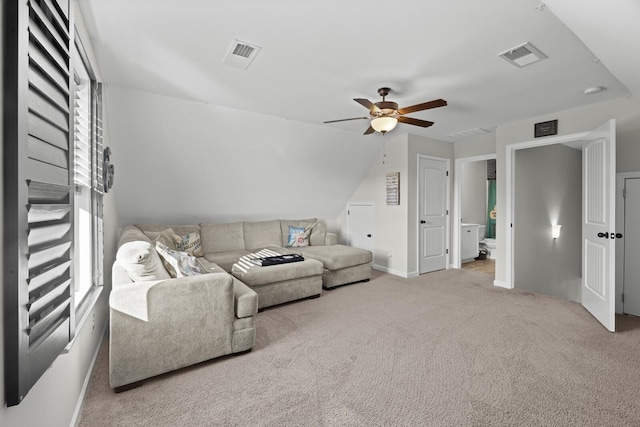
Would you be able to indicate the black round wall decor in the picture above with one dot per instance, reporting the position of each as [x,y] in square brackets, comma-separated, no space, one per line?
[107,170]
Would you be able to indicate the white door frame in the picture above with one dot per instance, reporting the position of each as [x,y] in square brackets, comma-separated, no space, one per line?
[620,178]
[457,201]
[510,184]
[447,235]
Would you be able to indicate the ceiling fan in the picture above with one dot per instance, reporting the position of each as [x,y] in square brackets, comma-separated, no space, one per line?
[385,115]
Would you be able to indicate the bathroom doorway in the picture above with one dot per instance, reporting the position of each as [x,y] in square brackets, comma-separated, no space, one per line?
[475,214]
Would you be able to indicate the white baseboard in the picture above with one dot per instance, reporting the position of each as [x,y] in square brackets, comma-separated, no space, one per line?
[501,284]
[76,413]
[394,272]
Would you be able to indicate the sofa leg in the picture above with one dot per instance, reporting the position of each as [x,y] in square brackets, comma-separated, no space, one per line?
[127,387]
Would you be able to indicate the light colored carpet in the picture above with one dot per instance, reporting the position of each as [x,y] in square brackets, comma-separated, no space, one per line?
[442,349]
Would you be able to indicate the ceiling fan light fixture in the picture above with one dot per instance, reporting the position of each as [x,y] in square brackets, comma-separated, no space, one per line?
[384,124]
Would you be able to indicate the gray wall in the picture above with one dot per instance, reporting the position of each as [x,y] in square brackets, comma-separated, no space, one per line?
[196,162]
[548,190]
[473,192]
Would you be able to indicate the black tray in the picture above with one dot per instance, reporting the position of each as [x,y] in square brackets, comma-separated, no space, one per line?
[275,260]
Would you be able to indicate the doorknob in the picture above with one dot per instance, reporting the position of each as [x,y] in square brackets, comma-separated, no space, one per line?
[368,235]
[612,235]
[422,221]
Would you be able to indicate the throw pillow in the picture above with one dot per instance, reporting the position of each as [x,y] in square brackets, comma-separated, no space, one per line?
[141,261]
[179,264]
[318,233]
[190,243]
[165,237]
[298,237]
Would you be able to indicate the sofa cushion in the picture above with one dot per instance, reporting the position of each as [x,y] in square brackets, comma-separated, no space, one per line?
[298,237]
[335,257]
[261,234]
[141,261]
[254,275]
[318,233]
[178,229]
[225,259]
[165,236]
[179,264]
[222,237]
[190,243]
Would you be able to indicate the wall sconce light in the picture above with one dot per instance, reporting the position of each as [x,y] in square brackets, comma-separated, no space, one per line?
[555,231]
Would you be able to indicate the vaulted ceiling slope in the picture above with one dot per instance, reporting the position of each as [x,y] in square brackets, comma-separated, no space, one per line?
[317,55]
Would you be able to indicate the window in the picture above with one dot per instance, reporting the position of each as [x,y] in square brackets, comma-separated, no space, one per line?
[87,179]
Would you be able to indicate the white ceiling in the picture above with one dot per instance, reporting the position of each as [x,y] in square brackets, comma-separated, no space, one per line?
[317,55]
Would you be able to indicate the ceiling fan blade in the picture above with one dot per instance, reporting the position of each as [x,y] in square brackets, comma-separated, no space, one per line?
[369,130]
[367,104]
[424,106]
[416,122]
[344,120]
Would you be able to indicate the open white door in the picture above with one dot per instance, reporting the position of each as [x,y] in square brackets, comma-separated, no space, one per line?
[433,187]
[598,226]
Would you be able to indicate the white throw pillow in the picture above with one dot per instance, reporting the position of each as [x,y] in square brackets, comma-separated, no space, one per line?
[141,261]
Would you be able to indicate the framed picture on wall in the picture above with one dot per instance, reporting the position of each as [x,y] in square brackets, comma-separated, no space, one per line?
[545,129]
[393,188]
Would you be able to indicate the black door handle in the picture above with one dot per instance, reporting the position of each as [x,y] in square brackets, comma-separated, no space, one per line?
[612,236]
[422,221]
[368,235]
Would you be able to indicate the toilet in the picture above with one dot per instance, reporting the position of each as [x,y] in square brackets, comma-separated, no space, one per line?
[487,244]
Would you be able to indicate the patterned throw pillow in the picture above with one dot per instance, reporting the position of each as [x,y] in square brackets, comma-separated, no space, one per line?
[298,237]
[190,243]
[179,264]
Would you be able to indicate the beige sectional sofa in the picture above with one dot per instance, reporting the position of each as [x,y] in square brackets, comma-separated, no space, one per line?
[153,316]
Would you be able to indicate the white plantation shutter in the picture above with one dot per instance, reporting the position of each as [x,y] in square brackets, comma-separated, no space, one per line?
[82,154]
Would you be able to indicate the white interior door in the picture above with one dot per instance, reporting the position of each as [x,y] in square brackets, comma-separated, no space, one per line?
[360,226]
[631,292]
[433,212]
[598,225]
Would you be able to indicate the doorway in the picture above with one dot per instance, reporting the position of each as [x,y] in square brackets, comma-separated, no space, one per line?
[630,297]
[465,209]
[598,217]
[548,192]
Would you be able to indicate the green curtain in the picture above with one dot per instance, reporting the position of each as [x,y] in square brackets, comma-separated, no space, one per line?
[491,209]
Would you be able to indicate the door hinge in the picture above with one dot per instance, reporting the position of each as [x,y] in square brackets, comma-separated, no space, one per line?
[447,252]
[348,212]
[622,297]
[447,211]
[624,193]
[447,173]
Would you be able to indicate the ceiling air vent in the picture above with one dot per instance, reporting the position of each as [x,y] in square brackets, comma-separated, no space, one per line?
[523,55]
[468,133]
[241,54]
